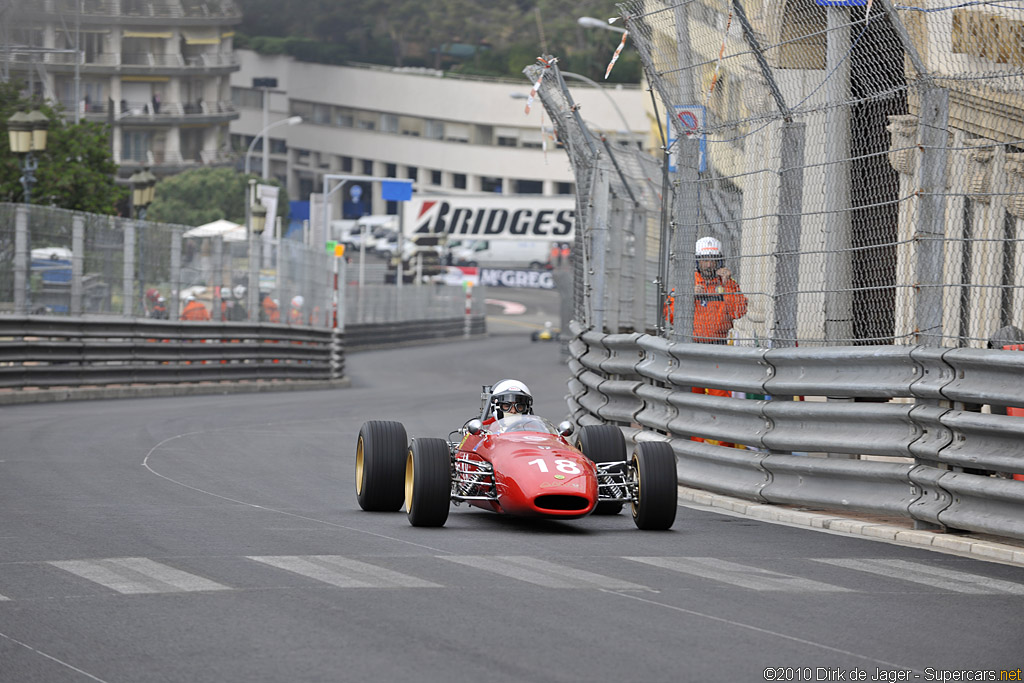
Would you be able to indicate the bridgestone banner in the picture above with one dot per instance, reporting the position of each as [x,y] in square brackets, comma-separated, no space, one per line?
[529,217]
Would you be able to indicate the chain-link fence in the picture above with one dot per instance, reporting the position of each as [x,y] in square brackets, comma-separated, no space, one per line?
[54,261]
[860,163]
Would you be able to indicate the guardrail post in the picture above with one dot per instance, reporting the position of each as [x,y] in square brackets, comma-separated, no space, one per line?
[21,261]
[684,238]
[469,310]
[77,263]
[128,274]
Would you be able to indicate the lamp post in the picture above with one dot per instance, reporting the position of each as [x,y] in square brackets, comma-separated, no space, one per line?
[27,134]
[143,191]
[252,145]
[255,222]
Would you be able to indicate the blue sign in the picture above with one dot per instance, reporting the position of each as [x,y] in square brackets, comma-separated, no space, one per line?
[396,190]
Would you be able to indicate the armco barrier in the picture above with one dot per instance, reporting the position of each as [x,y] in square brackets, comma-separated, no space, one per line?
[42,352]
[917,404]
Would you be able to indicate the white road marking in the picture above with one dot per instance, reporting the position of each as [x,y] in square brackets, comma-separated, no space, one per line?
[740,575]
[51,658]
[934,577]
[343,572]
[3,597]
[132,575]
[542,573]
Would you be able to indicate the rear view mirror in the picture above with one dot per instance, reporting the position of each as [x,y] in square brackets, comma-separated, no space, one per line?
[475,427]
[565,428]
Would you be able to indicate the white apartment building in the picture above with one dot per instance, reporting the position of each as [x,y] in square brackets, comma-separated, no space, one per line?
[447,134]
[156,70]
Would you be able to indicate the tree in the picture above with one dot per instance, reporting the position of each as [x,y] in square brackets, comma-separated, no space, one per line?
[204,195]
[76,171]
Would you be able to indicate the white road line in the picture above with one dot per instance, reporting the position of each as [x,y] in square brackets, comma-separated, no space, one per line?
[934,577]
[343,572]
[132,575]
[740,575]
[542,573]
[3,597]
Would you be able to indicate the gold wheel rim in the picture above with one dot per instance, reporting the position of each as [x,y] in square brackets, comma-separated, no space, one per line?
[410,476]
[359,467]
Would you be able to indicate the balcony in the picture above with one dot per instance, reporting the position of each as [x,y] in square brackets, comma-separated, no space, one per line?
[146,113]
[164,64]
[132,11]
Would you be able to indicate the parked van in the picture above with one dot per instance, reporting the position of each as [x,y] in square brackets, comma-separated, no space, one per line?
[502,253]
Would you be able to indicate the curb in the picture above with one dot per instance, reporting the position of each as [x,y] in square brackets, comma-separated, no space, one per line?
[971,546]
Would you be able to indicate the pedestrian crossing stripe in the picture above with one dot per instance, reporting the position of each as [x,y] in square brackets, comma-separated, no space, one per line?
[131,575]
[541,572]
[933,577]
[343,572]
[741,575]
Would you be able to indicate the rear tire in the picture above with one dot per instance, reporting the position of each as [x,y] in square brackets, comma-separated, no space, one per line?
[428,482]
[380,464]
[654,508]
[603,443]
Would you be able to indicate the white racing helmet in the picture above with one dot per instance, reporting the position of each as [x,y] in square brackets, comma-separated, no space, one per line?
[508,392]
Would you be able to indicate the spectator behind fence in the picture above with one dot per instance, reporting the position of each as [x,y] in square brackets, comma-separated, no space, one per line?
[194,310]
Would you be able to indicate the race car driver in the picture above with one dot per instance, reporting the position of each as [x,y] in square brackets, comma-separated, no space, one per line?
[509,397]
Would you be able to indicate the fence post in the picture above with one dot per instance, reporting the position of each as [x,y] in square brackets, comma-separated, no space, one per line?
[77,263]
[21,259]
[599,246]
[128,273]
[684,237]
[931,213]
[176,237]
[468,286]
[787,273]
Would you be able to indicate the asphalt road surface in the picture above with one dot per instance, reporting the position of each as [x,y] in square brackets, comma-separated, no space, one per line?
[219,539]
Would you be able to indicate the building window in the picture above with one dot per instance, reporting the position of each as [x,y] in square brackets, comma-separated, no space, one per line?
[388,123]
[135,146]
[364,124]
[322,114]
[529,187]
[391,170]
[299,108]
[435,177]
[346,164]
[490,184]
[564,188]
[278,146]
[433,130]
[412,173]
[507,142]
[367,167]
[459,181]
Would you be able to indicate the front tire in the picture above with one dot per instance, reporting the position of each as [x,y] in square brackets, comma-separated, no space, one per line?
[428,482]
[603,443]
[380,463]
[654,464]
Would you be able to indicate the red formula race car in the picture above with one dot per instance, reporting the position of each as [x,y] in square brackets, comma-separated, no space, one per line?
[518,465]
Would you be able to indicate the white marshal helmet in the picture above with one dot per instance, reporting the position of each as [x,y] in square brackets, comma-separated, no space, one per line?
[511,391]
[708,248]
[239,291]
[297,301]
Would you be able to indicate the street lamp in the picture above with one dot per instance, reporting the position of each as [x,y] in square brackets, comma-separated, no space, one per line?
[591,22]
[289,121]
[143,191]
[27,134]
